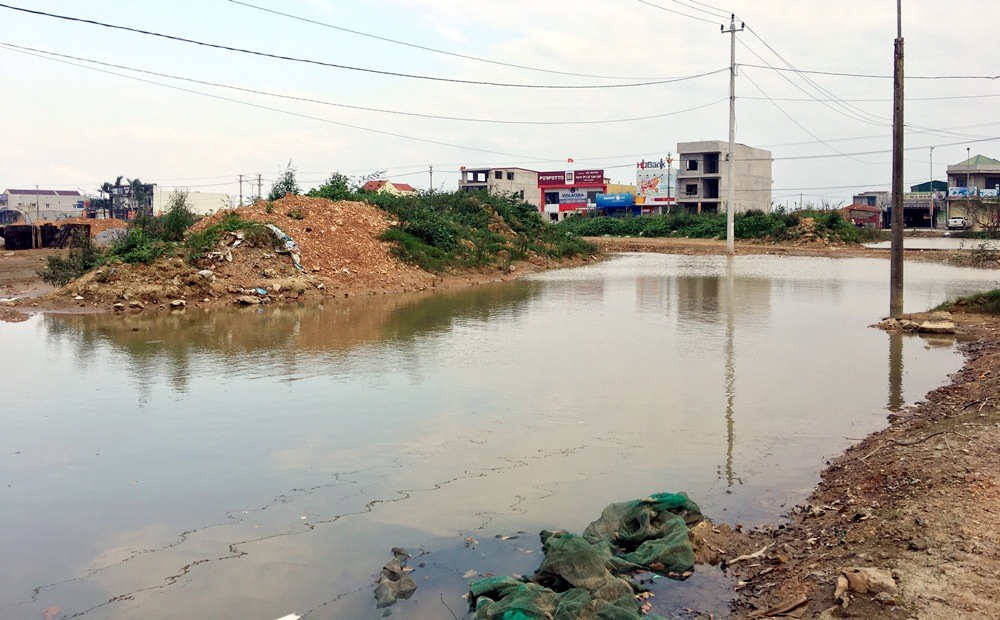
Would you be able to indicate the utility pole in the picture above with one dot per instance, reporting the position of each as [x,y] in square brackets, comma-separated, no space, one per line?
[432,178]
[37,208]
[241,190]
[730,216]
[259,190]
[896,254]
[931,206]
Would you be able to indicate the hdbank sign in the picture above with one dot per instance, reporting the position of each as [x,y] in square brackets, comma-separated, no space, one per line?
[644,165]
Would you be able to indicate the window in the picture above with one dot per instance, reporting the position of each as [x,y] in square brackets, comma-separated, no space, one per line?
[498,174]
[692,164]
[520,194]
[691,189]
[510,176]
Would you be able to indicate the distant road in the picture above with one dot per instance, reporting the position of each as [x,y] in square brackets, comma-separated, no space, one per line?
[939,243]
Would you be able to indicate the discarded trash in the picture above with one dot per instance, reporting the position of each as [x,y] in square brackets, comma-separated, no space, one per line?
[260,291]
[581,575]
[290,247]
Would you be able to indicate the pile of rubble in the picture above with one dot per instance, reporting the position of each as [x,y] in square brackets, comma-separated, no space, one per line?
[339,242]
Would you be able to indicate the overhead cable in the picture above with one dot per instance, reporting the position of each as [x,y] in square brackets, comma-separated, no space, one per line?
[433,49]
[360,69]
[354,107]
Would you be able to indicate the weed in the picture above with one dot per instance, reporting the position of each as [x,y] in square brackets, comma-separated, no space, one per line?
[83,256]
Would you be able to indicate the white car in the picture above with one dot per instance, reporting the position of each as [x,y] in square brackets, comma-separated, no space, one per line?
[956,223]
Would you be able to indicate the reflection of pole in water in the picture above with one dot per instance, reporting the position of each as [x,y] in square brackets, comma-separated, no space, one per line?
[895,371]
[730,385]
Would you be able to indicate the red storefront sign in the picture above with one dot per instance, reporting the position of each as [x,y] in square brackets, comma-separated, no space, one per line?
[571,178]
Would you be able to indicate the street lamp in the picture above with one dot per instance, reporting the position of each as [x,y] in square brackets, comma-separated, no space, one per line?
[968,167]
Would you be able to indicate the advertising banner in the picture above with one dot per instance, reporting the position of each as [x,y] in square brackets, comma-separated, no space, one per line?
[571,197]
[615,200]
[961,192]
[589,178]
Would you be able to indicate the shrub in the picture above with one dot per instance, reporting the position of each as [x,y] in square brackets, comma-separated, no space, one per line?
[138,247]
[83,256]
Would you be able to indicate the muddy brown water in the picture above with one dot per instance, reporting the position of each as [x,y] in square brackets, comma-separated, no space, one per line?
[258,463]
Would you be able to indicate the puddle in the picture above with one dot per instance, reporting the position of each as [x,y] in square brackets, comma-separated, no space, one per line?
[232,464]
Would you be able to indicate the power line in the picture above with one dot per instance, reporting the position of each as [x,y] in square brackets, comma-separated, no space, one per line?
[663,8]
[433,49]
[850,111]
[347,106]
[800,125]
[290,113]
[881,100]
[719,13]
[360,69]
[869,75]
[847,112]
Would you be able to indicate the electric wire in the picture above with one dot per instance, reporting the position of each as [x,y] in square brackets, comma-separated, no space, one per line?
[848,110]
[880,100]
[13,47]
[800,125]
[286,112]
[874,76]
[361,69]
[663,8]
[433,49]
[713,12]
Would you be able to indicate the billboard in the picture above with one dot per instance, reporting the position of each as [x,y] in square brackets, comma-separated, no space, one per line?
[615,200]
[654,180]
[572,197]
[568,178]
[961,192]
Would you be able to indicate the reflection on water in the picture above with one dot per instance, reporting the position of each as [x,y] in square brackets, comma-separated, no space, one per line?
[895,371]
[256,463]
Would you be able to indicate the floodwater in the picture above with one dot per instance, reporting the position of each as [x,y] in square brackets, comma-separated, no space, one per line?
[252,464]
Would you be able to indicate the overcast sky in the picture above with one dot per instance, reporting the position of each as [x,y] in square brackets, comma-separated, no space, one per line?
[72,124]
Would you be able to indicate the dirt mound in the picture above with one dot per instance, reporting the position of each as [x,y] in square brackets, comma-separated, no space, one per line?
[805,233]
[339,241]
[339,247]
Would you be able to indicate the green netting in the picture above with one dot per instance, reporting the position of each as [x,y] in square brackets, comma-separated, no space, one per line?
[580,576]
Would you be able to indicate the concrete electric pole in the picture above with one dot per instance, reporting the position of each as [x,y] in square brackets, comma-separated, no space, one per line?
[730,216]
[896,254]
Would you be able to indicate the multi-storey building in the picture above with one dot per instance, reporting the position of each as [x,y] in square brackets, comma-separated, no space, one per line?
[517,182]
[702,182]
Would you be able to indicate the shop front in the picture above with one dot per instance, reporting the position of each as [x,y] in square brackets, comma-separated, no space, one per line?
[569,192]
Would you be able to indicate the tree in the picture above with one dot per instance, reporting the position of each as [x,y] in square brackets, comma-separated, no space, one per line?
[286,184]
[140,197]
[984,213]
[337,187]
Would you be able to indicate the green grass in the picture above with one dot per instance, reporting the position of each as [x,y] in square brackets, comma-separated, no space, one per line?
[981,303]
[776,226]
[457,230]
